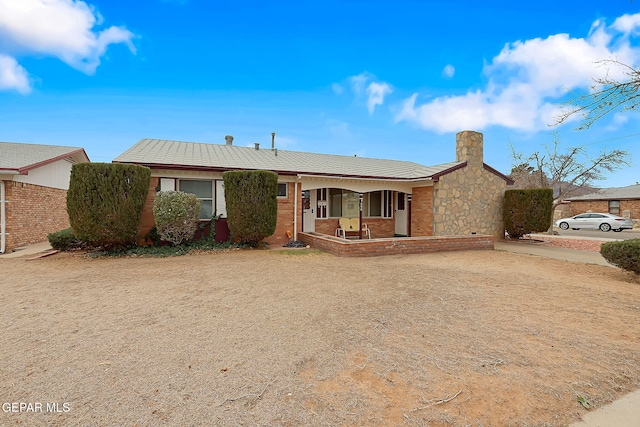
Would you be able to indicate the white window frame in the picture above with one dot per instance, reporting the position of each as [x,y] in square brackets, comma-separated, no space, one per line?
[286,190]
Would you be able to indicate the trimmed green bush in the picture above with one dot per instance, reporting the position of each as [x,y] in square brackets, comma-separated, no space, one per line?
[527,211]
[624,254]
[64,240]
[252,204]
[177,215]
[105,202]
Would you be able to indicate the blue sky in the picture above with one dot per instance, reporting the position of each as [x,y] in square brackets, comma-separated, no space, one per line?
[387,79]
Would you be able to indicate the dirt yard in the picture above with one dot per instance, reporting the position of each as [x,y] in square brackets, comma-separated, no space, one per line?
[276,338]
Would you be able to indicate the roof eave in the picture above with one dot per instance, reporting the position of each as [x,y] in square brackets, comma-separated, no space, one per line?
[279,172]
[498,174]
[25,169]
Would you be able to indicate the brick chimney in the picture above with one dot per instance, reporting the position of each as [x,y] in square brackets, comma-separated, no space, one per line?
[469,148]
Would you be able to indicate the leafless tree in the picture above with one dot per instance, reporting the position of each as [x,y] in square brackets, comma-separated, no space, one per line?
[566,171]
[608,94]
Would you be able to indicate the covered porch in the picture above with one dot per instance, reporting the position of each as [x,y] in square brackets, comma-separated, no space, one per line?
[383,205]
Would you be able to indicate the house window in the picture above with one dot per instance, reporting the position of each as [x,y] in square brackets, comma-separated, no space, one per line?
[614,207]
[282,189]
[387,204]
[321,203]
[345,203]
[372,204]
[203,191]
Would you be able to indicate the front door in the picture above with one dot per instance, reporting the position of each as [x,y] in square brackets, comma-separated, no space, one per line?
[308,211]
[401,214]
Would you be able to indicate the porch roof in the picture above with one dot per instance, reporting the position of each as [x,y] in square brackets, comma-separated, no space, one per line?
[159,153]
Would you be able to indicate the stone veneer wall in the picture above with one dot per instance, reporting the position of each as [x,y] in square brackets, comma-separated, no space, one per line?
[469,200]
[33,212]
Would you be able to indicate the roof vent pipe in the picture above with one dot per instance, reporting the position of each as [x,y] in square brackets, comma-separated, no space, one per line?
[229,139]
[276,151]
[257,144]
[273,141]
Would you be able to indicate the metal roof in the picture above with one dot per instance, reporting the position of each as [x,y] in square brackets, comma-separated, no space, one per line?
[190,155]
[18,157]
[630,192]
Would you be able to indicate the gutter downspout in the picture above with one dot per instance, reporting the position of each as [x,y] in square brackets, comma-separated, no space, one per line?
[3,219]
[295,210]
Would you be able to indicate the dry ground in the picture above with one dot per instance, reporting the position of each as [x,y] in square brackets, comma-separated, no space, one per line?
[274,338]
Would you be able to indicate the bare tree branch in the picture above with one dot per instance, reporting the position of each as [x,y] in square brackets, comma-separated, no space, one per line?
[607,95]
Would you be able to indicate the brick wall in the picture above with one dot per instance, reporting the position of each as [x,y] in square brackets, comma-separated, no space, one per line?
[582,206]
[380,227]
[33,212]
[422,211]
[146,221]
[396,246]
[285,216]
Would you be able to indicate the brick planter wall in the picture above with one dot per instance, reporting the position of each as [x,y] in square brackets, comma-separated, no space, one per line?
[33,212]
[396,246]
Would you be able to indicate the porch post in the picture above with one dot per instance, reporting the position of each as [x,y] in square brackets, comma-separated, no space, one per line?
[409,214]
[360,199]
[295,210]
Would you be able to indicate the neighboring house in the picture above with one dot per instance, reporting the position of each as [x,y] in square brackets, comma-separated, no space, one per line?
[623,201]
[33,187]
[315,190]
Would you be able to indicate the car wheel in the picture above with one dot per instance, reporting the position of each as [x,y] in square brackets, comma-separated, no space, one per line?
[564,226]
[605,227]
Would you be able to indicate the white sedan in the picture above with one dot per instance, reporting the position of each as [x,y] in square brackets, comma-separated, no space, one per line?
[603,221]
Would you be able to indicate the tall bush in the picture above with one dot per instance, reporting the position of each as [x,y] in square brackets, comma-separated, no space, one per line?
[624,254]
[527,211]
[105,202]
[177,215]
[252,204]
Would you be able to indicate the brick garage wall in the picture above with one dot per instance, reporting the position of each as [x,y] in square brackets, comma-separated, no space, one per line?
[579,207]
[396,246]
[422,211]
[582,206]
[633,206]
[33,212]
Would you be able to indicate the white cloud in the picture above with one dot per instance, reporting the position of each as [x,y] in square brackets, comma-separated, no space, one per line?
[375,94]
[60,28]
[366,85]
[13,76]
[627,23]
[337,88]
[525,78]
[448,71]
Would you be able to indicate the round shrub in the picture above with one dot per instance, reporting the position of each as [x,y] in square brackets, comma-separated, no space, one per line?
[63,240]
[105,202]
[624,254]
[177,215]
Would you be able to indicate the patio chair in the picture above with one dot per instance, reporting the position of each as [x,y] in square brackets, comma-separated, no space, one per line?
[355,226]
